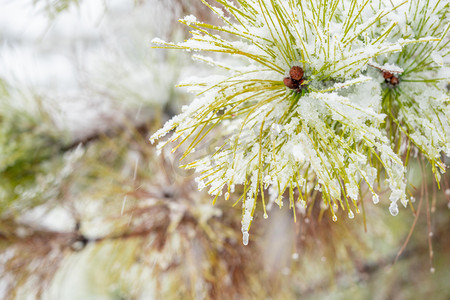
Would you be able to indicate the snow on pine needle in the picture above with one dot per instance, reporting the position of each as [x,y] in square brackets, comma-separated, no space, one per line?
[418,114]
[292,102]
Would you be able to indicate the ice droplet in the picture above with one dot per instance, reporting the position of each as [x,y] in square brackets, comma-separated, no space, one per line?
[334,218]
[351,215]
[393,209]
[375,199]
[245,238]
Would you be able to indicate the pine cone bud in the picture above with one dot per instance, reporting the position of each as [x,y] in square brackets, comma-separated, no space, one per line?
[394,80]
[296,73]
[292,84]
[387,75]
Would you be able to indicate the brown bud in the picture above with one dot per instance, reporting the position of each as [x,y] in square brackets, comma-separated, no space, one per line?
[387,75]
[296,73]
[292,84]
[394,80]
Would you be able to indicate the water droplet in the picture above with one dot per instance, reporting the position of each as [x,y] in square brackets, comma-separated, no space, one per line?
[412,199]
[335,207]
[375,199]
[351,215]
[447,192]
[334,218]
[430,234]
[307,220]
[432,270]
[393,209]
[227,196]
[265,215]
[295,256]
[245,238]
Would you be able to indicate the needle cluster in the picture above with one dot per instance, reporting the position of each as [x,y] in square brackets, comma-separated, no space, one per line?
[304,102]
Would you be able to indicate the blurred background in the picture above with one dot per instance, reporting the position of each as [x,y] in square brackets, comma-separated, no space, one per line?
[89,211]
